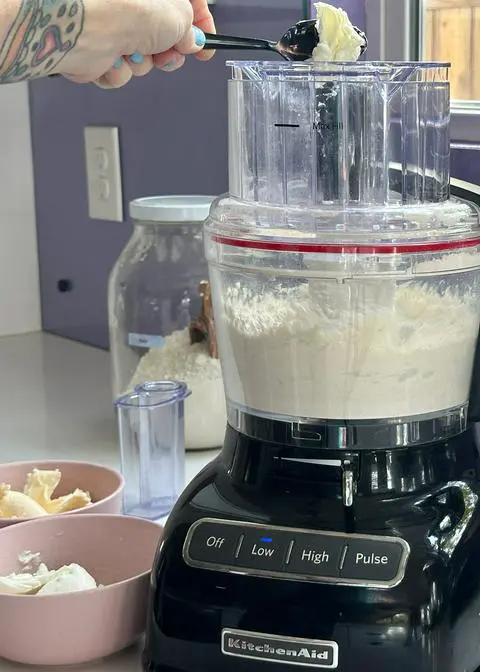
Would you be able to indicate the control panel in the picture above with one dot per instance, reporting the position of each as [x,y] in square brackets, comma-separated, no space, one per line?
[296,554]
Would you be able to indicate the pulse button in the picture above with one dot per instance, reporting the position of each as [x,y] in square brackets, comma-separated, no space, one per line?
[264,550]
[214,543]
[372,560]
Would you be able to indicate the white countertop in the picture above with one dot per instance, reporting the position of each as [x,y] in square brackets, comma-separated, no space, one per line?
[56,403]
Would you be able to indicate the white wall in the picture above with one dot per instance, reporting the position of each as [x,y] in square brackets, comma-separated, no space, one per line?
[19,282]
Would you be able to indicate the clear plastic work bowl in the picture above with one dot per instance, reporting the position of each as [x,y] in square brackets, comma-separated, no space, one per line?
[339,328]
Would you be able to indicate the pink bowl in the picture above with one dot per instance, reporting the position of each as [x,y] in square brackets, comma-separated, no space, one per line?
[104,485]
[73,628]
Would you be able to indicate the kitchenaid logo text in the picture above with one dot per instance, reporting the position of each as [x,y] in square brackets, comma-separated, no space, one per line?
[258,646]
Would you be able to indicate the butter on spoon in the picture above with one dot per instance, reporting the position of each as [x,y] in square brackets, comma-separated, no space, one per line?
[329,37]
[338,38]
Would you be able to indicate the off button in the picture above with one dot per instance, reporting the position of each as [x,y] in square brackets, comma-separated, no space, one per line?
[214,543]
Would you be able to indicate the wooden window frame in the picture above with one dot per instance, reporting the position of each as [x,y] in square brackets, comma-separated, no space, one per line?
[394,31]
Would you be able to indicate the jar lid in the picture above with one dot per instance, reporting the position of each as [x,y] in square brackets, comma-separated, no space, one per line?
[169,209]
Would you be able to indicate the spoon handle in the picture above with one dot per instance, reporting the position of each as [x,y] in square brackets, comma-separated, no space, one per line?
[231,42]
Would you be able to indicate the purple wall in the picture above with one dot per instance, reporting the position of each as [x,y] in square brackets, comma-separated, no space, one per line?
[465,165]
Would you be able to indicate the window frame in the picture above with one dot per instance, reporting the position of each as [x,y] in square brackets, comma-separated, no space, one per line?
[395,32]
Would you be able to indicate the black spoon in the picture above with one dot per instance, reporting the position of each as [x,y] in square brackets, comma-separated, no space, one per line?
[297,44]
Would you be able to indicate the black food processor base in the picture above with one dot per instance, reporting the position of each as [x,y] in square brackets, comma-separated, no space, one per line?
[264,566]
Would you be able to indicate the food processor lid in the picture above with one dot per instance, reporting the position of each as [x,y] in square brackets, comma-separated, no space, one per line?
[442,227]
[340,158]
[171,209]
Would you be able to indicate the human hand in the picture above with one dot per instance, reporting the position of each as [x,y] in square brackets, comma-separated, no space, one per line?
[174,58]
[157,33]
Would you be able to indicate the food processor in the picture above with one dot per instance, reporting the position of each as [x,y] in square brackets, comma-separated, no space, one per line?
[339,526]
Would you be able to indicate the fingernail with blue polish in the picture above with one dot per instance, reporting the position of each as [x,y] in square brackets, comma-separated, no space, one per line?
[199,35]
[170,65]
[118,64]
[137,58]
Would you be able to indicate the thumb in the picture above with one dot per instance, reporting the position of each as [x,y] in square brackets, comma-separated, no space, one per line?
[192,42]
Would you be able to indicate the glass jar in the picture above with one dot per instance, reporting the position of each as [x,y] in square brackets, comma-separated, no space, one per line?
[154,297]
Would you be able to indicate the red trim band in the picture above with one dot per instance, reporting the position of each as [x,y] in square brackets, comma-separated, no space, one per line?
[314,248]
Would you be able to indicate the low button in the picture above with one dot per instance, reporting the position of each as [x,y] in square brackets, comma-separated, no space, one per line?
[264,550]
[316,555]
[214,543]
[371,560]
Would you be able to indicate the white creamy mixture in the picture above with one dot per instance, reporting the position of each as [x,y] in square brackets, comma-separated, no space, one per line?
[357,350]
[205,410]
[37,579]
[339,41]
[68,579]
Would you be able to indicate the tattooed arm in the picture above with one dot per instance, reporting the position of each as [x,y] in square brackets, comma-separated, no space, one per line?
[40,35]
[86,40]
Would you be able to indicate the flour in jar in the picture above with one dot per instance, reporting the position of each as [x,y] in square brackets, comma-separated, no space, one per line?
[359,350]
[205,409]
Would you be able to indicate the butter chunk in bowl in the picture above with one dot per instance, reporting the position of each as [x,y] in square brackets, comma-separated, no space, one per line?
[30,490]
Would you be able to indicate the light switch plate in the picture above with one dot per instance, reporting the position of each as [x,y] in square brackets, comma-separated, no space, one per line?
[104,173]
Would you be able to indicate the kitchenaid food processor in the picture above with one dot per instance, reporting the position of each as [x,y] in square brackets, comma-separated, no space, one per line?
[339,526]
